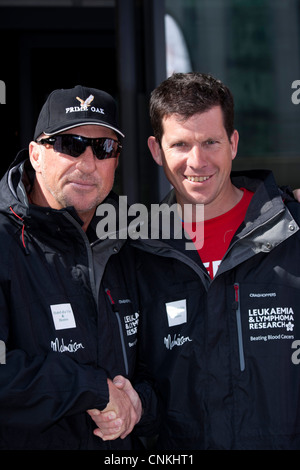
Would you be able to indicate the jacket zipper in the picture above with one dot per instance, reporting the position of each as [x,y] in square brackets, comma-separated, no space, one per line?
[114,308]
[237,308]
[89,255]
[93,287]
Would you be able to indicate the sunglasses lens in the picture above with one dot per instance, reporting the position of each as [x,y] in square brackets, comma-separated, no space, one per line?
[68,144]
[105,148]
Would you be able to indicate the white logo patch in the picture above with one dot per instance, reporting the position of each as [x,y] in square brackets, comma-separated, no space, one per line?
[85,105]
[63,316]
[176,312]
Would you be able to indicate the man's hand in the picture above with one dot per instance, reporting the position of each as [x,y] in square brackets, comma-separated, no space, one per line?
[122,412]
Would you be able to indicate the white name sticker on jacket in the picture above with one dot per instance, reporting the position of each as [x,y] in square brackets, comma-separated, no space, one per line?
[176,312]
[63,316]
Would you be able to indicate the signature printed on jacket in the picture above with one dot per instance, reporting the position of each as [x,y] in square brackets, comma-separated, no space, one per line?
[60,346]
[176,341]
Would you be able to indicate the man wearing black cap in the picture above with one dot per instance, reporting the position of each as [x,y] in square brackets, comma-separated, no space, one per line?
[64,299]
[220,323]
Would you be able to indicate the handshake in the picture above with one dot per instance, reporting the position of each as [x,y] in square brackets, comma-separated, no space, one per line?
[122,412]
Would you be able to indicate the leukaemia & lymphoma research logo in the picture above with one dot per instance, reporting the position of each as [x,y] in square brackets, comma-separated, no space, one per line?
[2,92]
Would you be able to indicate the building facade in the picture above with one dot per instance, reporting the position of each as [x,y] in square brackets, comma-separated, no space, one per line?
[127,47]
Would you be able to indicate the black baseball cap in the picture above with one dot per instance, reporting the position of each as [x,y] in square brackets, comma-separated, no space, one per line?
[78,106]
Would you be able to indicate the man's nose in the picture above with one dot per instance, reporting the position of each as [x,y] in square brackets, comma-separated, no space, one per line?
[87,161]
[197,157]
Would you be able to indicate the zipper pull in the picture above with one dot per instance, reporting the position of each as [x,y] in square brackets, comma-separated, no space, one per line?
[111,300]
[235,304]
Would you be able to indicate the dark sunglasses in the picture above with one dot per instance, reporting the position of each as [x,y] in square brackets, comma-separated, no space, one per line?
[75,145]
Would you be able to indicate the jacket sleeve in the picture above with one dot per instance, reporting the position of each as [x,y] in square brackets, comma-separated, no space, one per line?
[148,425]
[37,391]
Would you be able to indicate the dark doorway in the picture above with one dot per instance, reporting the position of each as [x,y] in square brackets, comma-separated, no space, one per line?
[49,48]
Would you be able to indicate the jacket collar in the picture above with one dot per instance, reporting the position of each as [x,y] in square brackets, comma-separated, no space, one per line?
[266,207]
[267,200]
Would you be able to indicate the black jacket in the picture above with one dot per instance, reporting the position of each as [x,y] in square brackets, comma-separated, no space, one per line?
[63,333]
[227,369]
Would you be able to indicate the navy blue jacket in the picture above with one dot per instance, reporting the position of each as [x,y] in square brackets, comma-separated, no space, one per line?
[224,354]
[68,319]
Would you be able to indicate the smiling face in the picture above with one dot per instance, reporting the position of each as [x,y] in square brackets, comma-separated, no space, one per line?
[197,155]
[62,180]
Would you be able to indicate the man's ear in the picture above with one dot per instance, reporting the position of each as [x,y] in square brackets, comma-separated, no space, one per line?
[234,141]
[155,150]
[35,155]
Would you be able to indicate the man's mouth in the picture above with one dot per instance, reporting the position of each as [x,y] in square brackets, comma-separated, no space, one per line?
[198,179]
[82,184]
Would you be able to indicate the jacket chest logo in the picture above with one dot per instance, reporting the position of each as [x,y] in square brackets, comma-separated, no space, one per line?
[176,312]
[63,316]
